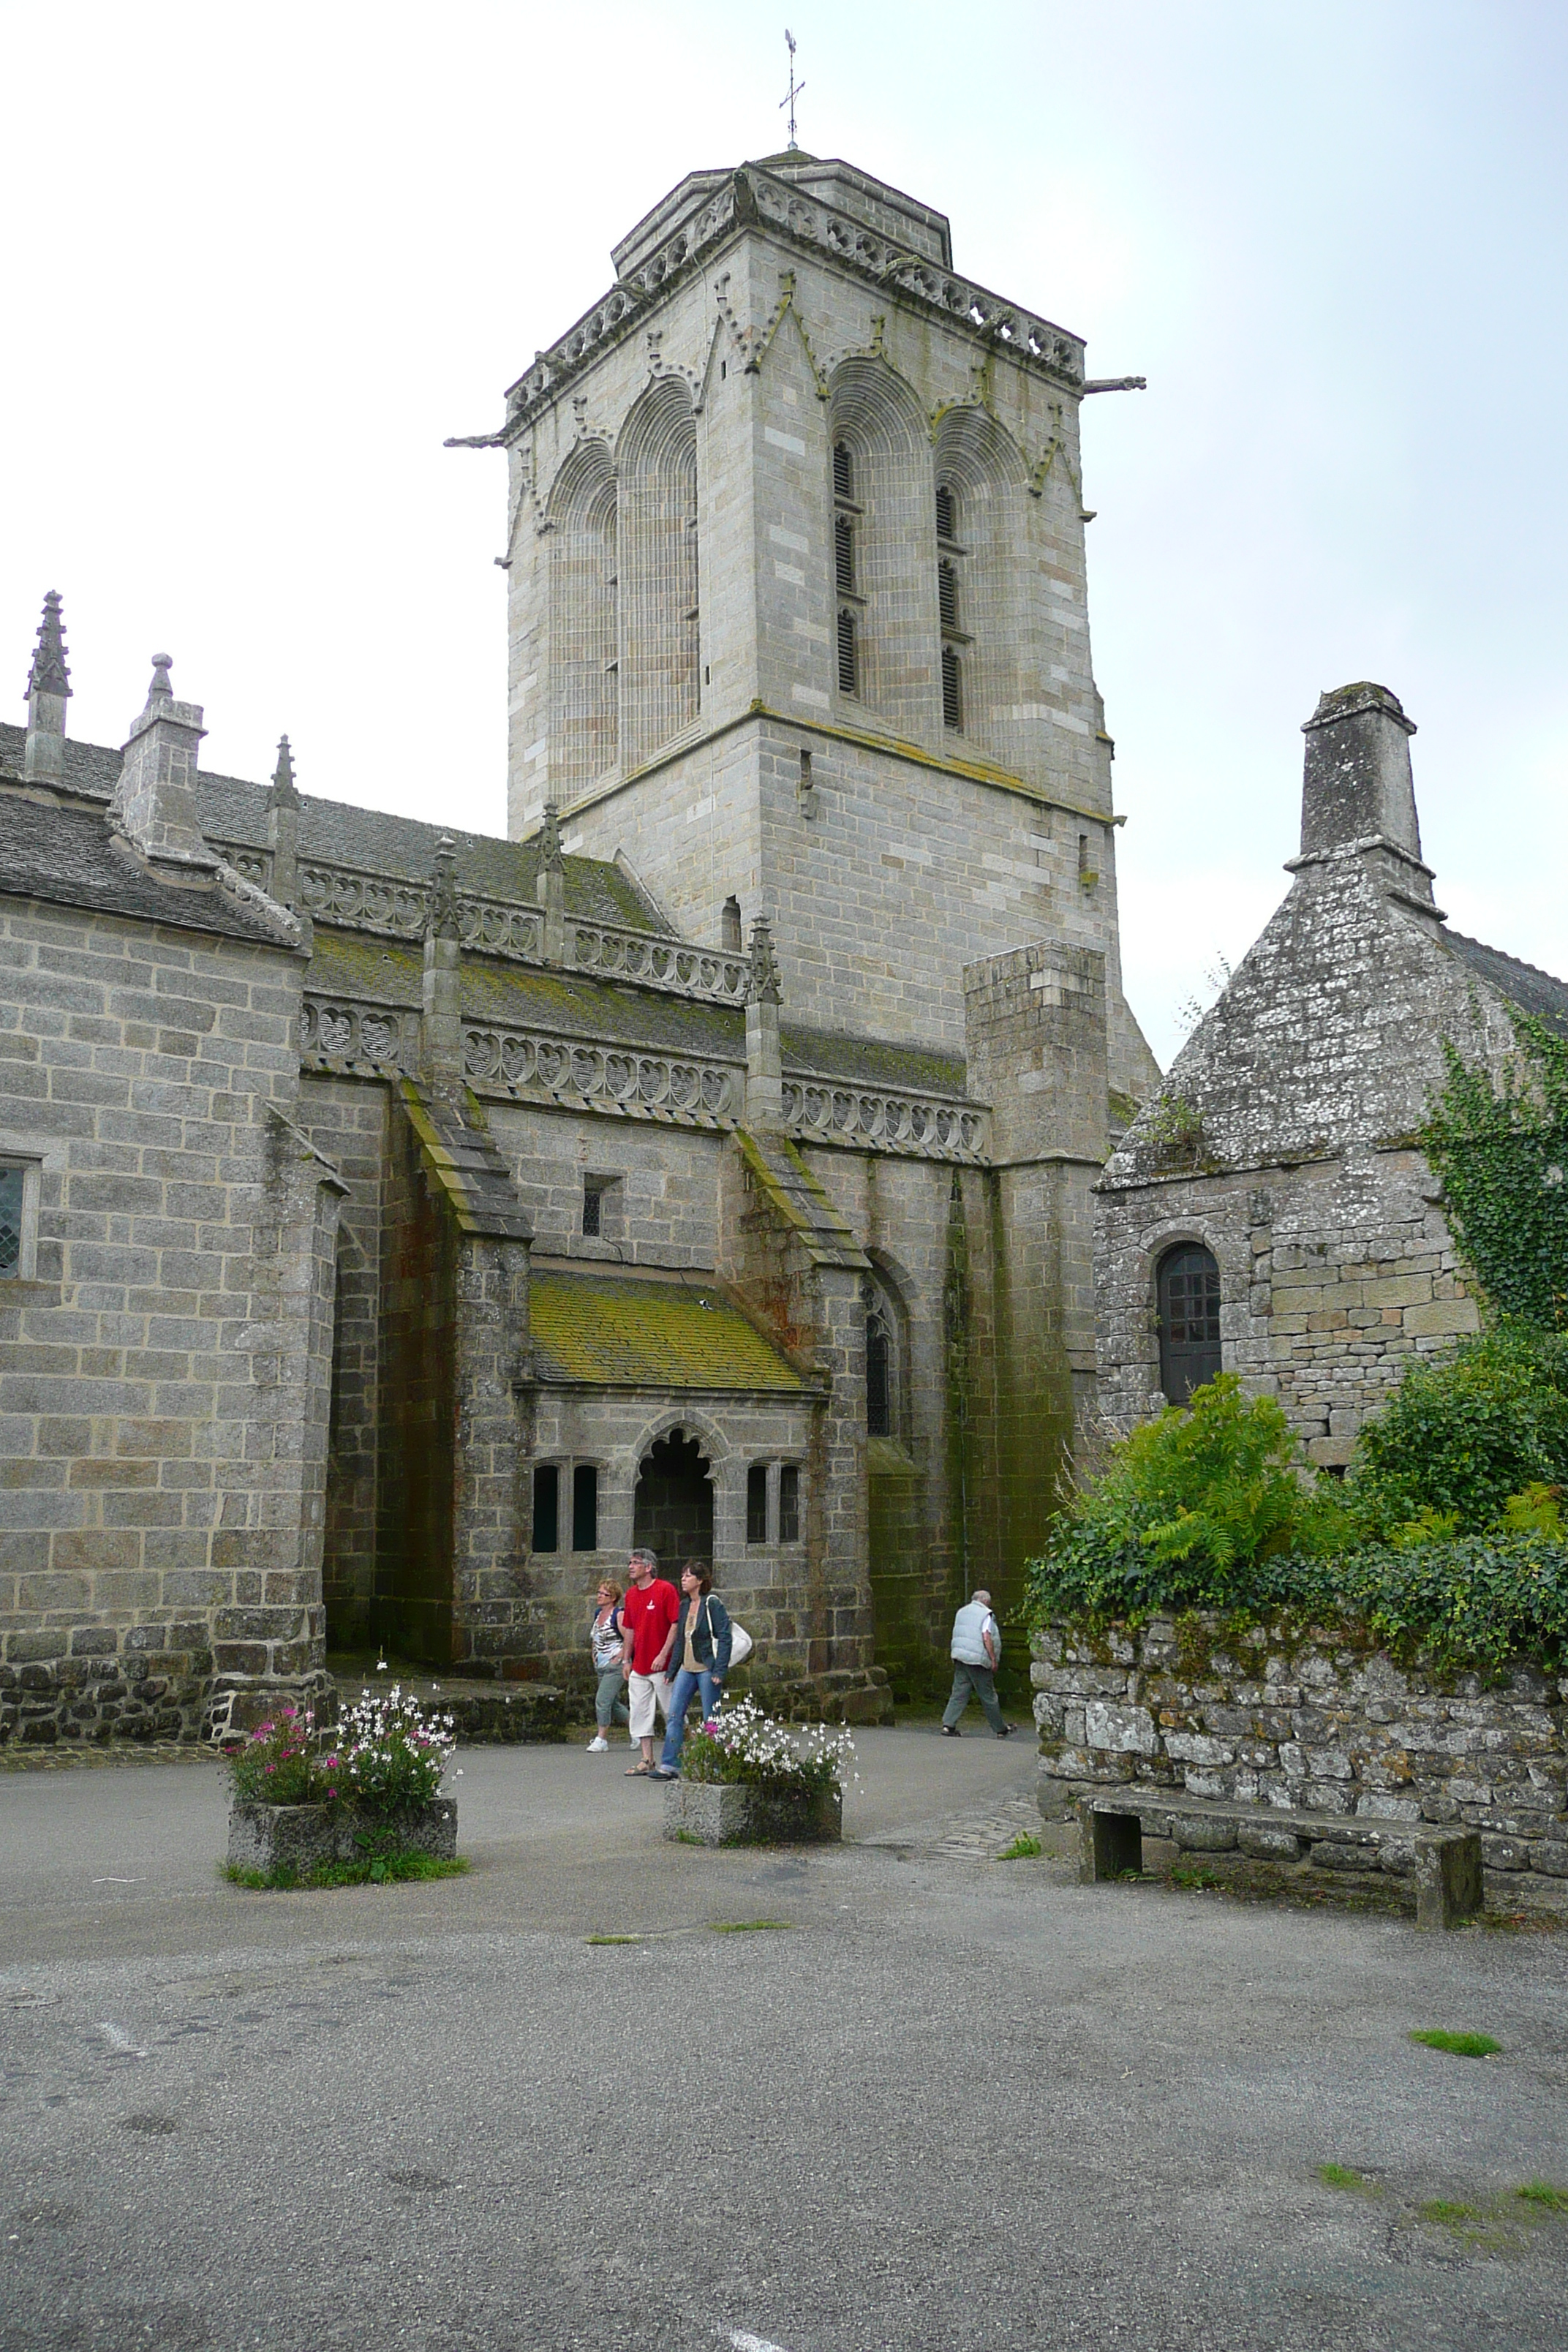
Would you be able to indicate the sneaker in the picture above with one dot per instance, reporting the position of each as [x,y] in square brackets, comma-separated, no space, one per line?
[598,1745]
[664,1773]
[1005,1732]
[951,1731]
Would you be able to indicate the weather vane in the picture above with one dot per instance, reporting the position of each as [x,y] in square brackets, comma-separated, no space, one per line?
[794,87]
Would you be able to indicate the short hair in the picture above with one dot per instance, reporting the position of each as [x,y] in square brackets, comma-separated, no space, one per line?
[642,1555]
[979,1593]
[607,1584]
[699,1568]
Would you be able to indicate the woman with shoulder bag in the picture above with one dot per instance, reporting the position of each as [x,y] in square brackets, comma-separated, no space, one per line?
[606,1639]
[700,1656]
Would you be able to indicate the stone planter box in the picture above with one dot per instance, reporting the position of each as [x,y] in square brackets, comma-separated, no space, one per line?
[301,1837]
[717,1813]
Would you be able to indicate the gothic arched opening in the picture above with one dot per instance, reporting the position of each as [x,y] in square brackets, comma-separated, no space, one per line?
[672,1511]
[1187,1302]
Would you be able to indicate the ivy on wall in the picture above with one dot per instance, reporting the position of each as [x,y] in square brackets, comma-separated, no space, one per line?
[1501,1154]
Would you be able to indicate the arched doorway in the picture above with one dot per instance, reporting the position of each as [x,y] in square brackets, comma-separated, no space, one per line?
[672,1511]
[1187,1300]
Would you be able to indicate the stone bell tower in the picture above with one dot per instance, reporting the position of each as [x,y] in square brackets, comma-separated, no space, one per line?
[798,603]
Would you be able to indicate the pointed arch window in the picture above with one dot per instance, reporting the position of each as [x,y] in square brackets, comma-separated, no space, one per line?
[884,1362]
[1188,1299]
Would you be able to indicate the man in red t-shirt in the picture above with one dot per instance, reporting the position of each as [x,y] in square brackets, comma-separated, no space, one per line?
[647,1614]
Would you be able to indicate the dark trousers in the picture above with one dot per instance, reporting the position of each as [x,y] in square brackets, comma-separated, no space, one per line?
[973,1682]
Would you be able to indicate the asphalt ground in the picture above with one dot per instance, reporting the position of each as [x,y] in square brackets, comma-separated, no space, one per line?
[949,2102]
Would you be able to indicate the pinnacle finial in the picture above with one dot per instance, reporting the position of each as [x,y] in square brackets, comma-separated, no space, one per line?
[160,688]
[283,785]
[443,920]
[48,674]
[550,854]
[763,988]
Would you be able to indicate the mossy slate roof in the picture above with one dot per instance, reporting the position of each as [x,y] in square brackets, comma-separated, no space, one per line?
[649,1335]
[234,811]
[618,1012]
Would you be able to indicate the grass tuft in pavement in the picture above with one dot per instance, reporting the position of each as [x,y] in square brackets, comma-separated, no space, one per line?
[375,1870]
[612,1940]
[1023,1849]
[1342,2176]
[1543,2193]
[747,1927]
[1459,2045]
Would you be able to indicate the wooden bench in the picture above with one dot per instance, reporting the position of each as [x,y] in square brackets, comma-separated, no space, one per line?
[1445,1863]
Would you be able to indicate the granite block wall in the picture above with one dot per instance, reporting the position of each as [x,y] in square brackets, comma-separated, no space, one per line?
[162,1377]
[1314,1721]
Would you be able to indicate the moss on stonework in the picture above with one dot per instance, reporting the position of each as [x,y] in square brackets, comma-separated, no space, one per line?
[649,1335]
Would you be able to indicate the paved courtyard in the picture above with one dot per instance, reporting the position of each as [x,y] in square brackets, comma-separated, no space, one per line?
[951,2102]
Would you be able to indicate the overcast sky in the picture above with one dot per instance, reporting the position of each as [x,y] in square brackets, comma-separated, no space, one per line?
[259,261]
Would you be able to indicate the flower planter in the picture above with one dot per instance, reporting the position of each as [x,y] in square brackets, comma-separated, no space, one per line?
[300,1838]
[723,1812]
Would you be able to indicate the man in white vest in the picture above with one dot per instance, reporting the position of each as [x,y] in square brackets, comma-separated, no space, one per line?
[976,1653]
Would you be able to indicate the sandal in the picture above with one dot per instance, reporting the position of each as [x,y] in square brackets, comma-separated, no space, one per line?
[638,1771]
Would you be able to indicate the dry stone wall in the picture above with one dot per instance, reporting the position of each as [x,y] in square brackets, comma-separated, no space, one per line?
[1315,1722]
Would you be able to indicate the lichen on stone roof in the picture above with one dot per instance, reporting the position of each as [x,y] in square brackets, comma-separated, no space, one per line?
[623,1333]
[1524,985]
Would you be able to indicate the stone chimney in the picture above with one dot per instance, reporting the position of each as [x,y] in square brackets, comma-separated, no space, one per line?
[1357,790]
[764,1065]
[48,691]
[441,1030]
[154,804]
[283,827]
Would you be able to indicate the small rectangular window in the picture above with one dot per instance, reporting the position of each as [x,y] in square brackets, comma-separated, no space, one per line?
[12,1218]
[547,1507]
[848,667]
[757,1503]
[592,1197]
[585,1507]
[951,689]
[789,1504]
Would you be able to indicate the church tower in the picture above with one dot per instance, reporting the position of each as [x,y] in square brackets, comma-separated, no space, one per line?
[798,608]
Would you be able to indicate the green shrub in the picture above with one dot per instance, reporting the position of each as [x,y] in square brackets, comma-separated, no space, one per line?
[1459,1438]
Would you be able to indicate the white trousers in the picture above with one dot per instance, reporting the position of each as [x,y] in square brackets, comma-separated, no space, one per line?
[644,1693]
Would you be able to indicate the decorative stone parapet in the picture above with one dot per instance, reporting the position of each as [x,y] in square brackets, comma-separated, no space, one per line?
[712,974]
[1317,1722]
[884,1122]
[300,1838]
[363,1040]
[713,1813]
[524,1062]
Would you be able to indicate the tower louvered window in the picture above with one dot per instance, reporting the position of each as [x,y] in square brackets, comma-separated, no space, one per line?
[948,607]
[849,656]
[844,554]
[842,470]
[951,689]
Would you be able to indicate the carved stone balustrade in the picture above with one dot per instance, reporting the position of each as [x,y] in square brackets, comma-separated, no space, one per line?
[709,972]
[868,1119]
[361,1040]
[528,1065]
